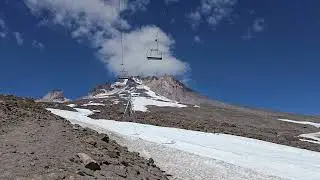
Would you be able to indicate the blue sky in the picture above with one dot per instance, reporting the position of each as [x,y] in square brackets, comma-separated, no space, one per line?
[246,52]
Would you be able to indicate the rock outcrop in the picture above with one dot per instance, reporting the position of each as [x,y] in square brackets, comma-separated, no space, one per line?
[54,96]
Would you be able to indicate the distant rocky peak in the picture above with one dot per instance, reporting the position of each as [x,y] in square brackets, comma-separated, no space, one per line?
[166,82]
[56,95]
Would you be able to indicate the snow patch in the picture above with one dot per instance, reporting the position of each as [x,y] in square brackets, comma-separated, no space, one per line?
[138,81]
[72,105]
[117,84]
[141,103]
[317,125]
[311,137]
[152,94]
[84,112]
[93,104]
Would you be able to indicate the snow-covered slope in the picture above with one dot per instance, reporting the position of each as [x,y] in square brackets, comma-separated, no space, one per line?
[259,157]
[133,88]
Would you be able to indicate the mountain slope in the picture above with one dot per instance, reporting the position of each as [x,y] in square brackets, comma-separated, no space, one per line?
[154,100]
[35,144]
[227,156]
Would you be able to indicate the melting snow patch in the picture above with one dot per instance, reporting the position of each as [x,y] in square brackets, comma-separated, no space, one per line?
[116,101]
[84,112]
[137,80]
[311,137]
[123,83]
[72,105]
[317,125]
[93,104]
[153,94]
[141,103]
[259,156]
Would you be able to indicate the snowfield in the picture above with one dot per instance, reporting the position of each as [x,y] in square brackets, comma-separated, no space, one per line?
[229,157]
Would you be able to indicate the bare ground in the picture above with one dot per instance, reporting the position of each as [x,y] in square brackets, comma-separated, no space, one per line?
[35,144]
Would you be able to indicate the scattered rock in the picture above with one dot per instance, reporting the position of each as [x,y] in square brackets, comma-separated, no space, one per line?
[85,172]
[91,141]
[106,139]
[88,162]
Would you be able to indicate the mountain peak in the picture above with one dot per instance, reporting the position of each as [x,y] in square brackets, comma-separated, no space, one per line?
[56,95]
[166,86]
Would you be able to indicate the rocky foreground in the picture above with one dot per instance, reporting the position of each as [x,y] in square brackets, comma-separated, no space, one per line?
[35,144]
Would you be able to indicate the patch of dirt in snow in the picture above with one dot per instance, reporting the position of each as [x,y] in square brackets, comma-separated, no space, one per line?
[35,144]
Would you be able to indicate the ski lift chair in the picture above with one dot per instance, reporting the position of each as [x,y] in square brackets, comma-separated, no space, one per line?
[123,74]
[155,53]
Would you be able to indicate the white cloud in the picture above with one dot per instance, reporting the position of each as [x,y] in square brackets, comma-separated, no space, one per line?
[195,18]
[3,29]
[18,37]
[248,35]
[99,22]
[136,45]
[138,5]
[212,11]
[258,25]
[2,24]
[170,1]
[37,44]
[197,39]
[3,34]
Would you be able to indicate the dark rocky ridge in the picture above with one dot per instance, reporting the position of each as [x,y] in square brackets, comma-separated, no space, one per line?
[35,144]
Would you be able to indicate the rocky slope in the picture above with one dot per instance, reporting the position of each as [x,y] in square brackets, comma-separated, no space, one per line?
[35,144]
[171,88]
[56,96]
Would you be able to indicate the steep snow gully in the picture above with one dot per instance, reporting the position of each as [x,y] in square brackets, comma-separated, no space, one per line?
[235,157]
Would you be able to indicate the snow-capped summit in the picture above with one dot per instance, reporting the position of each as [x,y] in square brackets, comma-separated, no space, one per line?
[54,96]
[134,89]
[166,86]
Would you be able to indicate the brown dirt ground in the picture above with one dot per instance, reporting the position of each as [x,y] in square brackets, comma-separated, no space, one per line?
[35,144]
